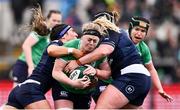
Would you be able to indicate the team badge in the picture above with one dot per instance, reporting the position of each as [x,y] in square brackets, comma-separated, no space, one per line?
[129,89]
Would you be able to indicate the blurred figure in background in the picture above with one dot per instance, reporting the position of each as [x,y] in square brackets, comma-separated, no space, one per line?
[18,7]
[34,44]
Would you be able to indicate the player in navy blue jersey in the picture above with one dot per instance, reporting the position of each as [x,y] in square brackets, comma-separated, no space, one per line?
[137,32]
[131,80]
[31,93]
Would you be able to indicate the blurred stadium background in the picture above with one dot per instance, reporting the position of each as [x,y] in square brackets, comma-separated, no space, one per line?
[163,37]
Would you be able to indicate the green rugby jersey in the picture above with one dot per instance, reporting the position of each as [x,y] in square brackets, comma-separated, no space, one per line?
[76,44]
[37,49]
[144,52]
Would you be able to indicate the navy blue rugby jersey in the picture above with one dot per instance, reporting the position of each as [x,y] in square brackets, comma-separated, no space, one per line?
[43,71]
[125,52]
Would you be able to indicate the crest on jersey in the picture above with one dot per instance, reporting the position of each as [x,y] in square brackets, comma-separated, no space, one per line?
[129,89]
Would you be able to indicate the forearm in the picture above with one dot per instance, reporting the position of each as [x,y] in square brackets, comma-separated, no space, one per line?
[28,56]
[93,56]
[62,78]
[57,51]
[155,79]
[102,51]
[103,74]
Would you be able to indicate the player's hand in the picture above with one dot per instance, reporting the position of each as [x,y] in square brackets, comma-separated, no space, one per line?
[30,70]
[71,66]
[77,53]
[90,70]
[166,96]
[81,83]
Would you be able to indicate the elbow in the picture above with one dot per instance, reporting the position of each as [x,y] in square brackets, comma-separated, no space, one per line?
[24,47]
[104,53]
[54,75]
[51,52]
[107,77]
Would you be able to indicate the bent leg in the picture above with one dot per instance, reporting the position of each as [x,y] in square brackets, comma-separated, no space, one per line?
[42,104]
[111,98]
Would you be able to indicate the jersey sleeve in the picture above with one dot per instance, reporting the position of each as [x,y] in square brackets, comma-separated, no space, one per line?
[146,55]
[111,39]
[34,35]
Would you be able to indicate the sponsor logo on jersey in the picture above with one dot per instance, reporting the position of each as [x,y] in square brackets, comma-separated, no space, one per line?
[75,74]
[64,93]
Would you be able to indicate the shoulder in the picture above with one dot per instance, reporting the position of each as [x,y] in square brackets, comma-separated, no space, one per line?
[37,36]
[144,45]
[144,48]
[34,35]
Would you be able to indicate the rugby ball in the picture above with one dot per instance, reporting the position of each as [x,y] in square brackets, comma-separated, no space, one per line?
[78,73]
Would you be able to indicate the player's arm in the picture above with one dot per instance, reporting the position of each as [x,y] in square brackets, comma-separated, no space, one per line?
[27,48]
[156,81]
[56,51]
[60,76]
[104,71]
[154,75]
[102,51]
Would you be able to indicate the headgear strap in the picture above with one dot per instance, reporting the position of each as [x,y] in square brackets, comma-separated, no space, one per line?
[138,21]
[109,16]
[92,32]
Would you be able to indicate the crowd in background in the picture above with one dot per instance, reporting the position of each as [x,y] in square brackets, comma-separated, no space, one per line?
[163,37]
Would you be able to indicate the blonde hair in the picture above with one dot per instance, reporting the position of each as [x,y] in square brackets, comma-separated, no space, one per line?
[94,26]
[116,16]
[106,24]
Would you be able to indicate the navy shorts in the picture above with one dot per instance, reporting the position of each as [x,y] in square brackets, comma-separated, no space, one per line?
[134,86]
[99,88]
[80,101]
[25,94]
[20,71]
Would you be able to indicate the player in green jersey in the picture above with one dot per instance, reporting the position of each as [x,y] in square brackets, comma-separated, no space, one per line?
[138,31]
[34,44]
[73,94]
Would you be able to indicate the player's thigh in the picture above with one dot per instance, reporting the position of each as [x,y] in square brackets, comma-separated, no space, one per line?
[42,104]
[111,98]
[63,103]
